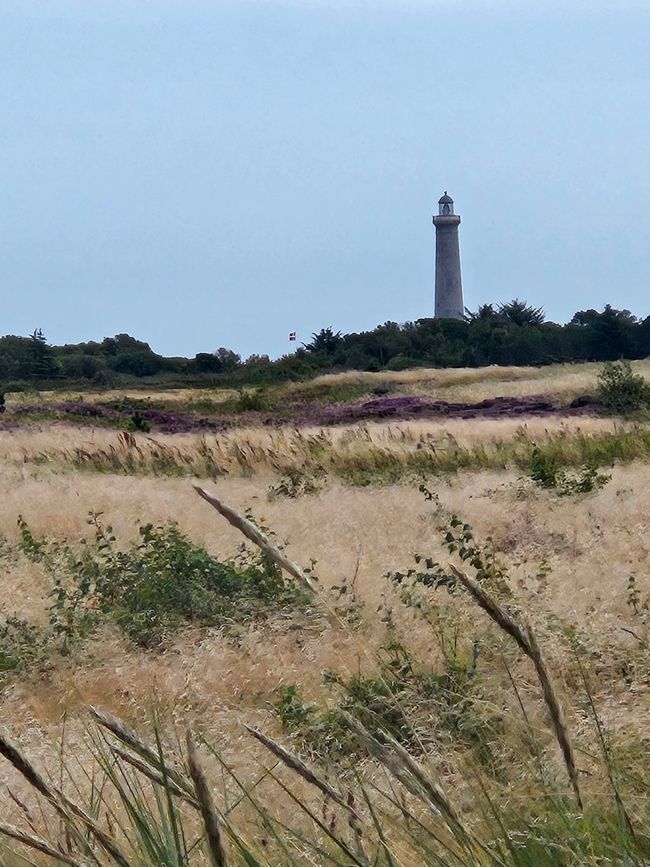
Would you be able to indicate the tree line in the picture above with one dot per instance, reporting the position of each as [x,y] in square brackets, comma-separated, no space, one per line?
[507,334]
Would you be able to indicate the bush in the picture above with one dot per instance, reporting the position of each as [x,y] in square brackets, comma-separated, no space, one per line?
[139,423]
[103,377]
[138,363]
[401,362]
[207,362]
[543,468]
[82,367]
[620,390]
[161,583]
[251,401]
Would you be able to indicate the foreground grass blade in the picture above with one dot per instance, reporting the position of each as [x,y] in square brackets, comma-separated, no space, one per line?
[301,768]
[209,815]
[124,734]
[257,538]
[34,842]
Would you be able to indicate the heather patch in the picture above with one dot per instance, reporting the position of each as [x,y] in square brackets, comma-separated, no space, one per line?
[294,408]
[120,415]
[406,407]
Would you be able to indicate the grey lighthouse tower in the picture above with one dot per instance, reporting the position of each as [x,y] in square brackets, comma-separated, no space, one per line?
[449,288]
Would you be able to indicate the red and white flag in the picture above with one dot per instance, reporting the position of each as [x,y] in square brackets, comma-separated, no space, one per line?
[292,335]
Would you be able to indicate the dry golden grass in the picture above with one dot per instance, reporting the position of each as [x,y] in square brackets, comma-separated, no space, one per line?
[173,395]
[592,543]
[271,451]
[217,687]
[474,384]
[567,556]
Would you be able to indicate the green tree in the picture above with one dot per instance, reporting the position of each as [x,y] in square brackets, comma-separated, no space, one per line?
[520,313]
[325,341]
[611,334]
[207,362]
[138,362]
[42,360]
[229,360]
[485,313]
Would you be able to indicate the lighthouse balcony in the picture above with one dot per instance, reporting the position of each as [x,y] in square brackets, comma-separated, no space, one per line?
[446,220]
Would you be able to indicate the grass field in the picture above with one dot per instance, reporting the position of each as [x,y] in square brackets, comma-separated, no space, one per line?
[383,640]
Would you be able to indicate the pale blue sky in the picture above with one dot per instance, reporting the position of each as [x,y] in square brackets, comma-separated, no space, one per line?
[218,173]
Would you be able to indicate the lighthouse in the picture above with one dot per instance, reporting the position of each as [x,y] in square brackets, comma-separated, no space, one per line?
[449,288]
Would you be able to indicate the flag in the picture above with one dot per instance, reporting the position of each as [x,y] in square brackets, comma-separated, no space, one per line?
[292,335]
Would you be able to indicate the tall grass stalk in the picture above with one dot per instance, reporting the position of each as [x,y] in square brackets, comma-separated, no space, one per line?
[356,457]
[211,821]
[251,532]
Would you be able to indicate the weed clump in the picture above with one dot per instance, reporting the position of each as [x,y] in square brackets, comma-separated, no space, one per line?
[251,401]
[544,470]
[295,483]
[409,700]
[23,646]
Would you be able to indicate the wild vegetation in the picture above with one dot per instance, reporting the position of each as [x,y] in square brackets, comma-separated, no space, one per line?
[363,776]
[620,390]
[442,659]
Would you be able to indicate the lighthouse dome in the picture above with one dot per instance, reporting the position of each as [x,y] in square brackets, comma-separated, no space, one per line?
[445,205]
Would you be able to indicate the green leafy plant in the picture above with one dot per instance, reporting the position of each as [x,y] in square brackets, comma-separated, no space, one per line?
[23,645]
[544,470]
[158,584]
[620,389]
[251,401]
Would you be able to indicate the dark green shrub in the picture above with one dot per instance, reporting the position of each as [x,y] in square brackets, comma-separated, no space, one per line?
[401,362]
[620,390]
[17,387]
[103,377]
[82,367]
[207,362]
[139,423]
[138,362]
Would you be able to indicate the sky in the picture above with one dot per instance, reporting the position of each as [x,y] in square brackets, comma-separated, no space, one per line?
[206,173]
